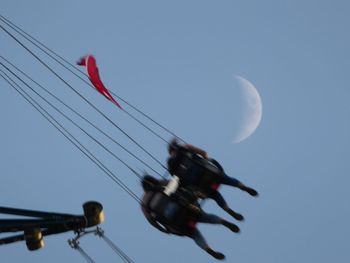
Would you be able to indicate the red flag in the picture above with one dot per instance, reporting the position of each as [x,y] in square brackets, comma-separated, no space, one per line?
[89,62]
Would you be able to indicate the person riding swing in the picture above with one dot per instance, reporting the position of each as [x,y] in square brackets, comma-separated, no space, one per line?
[170,214]
[201,174]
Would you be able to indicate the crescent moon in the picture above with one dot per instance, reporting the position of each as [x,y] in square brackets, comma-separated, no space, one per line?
[252,110]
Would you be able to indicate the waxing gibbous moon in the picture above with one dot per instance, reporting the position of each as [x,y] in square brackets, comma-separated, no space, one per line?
[252,110]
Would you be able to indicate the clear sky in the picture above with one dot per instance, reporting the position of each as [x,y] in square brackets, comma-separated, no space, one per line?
[177,61]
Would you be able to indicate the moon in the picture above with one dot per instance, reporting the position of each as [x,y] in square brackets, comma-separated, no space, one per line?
[252,110]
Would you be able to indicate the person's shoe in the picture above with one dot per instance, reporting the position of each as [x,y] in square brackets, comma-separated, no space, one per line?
[235,215]
[215,254]
[231,226]
[249,190]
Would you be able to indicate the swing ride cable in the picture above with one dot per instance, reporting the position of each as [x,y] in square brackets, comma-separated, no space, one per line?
[29,99]
[77,113]
[82,97]
[84,254]
[68,135]
[75,142]
[75,243]
[116,249]
[74,123]
[47,51]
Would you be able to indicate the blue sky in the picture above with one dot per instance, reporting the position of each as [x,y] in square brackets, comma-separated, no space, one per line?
[177,62]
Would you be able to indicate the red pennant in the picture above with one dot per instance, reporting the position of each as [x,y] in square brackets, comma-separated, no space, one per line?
[89,62]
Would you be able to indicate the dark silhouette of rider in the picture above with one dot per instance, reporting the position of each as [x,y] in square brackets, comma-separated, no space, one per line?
[163,221]
[179,154]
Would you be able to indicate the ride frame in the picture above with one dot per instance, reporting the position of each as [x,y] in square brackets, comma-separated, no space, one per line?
[47,223]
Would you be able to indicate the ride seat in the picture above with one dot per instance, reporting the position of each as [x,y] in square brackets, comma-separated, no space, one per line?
[170,212]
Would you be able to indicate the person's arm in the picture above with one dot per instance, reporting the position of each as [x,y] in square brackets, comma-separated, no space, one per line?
[196,150]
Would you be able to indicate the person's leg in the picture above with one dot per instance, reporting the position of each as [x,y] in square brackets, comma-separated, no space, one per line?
[227,180]
[218,198]
[249,190]
[214,219]
[198,238]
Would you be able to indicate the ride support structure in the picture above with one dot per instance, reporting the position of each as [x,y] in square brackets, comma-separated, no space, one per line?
[38,224]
